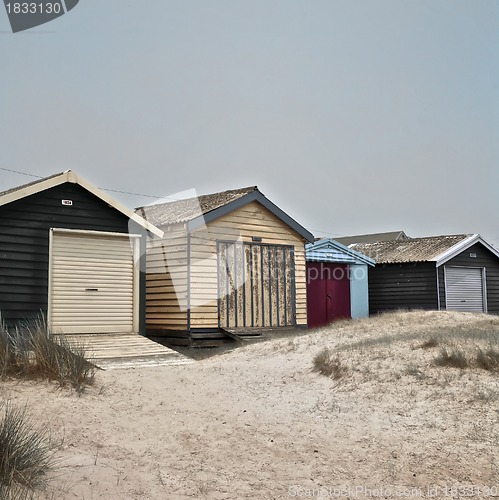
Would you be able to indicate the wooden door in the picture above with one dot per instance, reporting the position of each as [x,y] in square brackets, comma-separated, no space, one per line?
[338,292]
[256,285]
[317,312]
[328,293]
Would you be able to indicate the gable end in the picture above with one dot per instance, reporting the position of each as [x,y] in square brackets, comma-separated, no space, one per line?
[241,202]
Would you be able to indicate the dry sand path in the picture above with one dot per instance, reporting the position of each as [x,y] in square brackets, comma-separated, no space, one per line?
[258,423]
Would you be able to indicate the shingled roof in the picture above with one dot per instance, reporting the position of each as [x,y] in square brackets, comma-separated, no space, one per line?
[174,212]
[29,184]
[205,208]
[410,249]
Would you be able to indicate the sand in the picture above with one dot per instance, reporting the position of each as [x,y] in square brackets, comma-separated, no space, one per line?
[257,422]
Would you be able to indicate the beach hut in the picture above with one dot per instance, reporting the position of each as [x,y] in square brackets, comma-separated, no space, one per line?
[230,264]
[452,272]
[337,282]
[70,252]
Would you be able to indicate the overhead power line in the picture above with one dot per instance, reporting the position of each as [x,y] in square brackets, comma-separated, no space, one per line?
[22,173]
[104,189]
[133,194]
[327,232]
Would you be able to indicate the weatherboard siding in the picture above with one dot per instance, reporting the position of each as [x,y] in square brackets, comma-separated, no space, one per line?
[251,220]
[484,259]
[24,243]
[402,286]
[166,295]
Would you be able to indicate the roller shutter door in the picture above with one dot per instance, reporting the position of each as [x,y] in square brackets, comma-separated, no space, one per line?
[92,283]
[464,289]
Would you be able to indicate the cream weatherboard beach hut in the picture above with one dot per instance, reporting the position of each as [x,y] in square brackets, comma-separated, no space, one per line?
[230,264]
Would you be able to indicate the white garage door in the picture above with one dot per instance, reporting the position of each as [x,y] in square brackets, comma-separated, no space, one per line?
[93,283]
[464,289]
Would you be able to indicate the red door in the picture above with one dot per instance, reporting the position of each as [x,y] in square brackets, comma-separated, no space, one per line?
[328,293]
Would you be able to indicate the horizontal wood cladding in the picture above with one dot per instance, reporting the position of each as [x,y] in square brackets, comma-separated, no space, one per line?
[395,286]
[166,282]
[252,220]
[176,257]
[24,242]
[483,259]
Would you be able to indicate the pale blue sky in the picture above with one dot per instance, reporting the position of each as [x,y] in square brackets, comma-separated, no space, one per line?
[353,116]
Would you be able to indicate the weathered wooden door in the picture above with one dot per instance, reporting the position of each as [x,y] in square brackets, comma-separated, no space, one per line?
[256,285]
[328,293]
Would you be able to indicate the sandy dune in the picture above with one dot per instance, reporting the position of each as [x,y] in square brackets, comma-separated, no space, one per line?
[258,423]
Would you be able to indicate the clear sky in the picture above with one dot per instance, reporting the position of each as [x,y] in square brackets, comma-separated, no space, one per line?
[353,116]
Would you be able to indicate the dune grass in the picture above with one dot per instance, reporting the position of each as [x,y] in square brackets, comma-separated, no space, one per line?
[26,454]
[431,346]
[328,364]
[484,358]
[31,351]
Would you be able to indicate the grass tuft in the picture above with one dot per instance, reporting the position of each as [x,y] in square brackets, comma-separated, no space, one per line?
[26,454]
[488,359]
[454,358]
[429,343]
[328,364]
[31,351]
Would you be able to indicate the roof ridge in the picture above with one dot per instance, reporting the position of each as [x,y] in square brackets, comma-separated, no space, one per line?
[423,249]
[70,176]
[32,183]
[248,189]
[419,238]
[186,209]
[440,236]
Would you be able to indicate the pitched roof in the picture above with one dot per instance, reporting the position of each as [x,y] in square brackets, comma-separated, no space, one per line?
[197,211]
[372,238]
[27,185]
[20,192]
[329,250]
[174,212]
[432,248]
